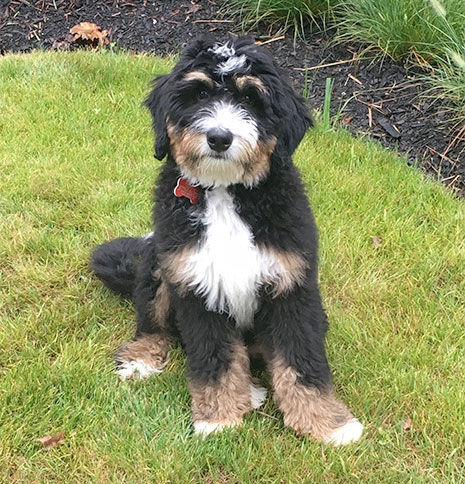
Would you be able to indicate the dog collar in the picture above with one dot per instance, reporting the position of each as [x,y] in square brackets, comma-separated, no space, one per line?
[185,189]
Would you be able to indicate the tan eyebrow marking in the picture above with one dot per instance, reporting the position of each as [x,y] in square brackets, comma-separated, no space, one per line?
[199,76]
[243,82]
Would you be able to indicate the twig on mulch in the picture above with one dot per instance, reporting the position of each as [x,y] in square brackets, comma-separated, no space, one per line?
[210,21]
[322,66]
[274,39]
[458,137]
[443,156]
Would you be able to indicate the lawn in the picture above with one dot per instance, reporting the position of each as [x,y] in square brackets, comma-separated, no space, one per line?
[77,168]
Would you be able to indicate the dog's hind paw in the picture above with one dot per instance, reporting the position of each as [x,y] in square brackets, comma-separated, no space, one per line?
[348,433]
[257,396]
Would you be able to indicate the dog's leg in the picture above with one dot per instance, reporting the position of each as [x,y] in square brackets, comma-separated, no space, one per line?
[148,352]
[301,377]
[219,378]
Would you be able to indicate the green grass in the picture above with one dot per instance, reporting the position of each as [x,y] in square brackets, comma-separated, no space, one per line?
[77,169]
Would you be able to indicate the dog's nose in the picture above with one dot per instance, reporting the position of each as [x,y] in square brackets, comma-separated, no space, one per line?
[219,139]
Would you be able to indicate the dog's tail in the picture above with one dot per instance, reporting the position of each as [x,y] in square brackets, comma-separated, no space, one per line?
[116,263]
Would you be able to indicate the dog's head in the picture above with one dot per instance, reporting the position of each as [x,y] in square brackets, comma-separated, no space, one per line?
[225,112]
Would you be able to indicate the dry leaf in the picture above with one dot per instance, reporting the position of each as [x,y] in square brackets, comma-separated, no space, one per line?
[347,120]
[377,241]
[89,33]
[50,441]
[407,424]
[194,8]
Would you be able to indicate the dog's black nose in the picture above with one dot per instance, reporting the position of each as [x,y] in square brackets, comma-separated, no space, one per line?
[219,139]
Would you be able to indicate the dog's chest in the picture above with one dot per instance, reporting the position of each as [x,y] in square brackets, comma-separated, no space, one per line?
[227,268]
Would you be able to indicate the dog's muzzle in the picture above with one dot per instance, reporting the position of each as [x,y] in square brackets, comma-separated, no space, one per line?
[219,140]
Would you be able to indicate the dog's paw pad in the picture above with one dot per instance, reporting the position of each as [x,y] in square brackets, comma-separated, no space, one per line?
[135,370]
[257,396]
[350,432]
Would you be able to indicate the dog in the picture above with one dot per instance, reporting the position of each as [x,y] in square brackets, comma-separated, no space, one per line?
[231,266]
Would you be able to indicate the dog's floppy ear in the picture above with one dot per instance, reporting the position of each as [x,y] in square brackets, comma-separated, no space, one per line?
[157,104]
[296,120]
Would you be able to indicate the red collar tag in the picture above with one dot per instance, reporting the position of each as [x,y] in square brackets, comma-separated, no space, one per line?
[184,189]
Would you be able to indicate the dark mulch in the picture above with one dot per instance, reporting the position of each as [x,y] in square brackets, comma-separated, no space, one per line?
[378,98]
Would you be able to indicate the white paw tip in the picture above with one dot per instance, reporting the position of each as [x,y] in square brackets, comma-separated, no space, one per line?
[257,396]
[206,428]
[350,432]
[136,370]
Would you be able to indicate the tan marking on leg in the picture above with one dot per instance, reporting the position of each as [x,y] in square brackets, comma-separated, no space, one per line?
[286,270]
[223,403]
[174,269]
[161,305]
[146,355]
[306,409]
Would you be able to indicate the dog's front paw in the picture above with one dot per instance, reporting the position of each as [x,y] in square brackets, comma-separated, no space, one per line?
[136,369]
[348,433]
[204,428]
[147,355]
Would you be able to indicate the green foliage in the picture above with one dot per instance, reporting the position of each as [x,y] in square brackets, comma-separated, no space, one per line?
[401,28]
[428,32]
[77,169]
[287,13]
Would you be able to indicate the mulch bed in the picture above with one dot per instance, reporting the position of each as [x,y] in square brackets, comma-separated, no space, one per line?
[378,98]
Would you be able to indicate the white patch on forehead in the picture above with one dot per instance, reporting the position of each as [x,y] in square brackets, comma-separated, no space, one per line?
[231,65]
[230,62]
[223,50]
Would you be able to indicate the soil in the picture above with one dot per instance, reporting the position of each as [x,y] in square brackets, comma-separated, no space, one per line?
[370,96]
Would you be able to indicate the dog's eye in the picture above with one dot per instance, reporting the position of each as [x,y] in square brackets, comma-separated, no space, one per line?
[249,98]
[203,94]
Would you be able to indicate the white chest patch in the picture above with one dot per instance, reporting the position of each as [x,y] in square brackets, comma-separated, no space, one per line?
[228,268]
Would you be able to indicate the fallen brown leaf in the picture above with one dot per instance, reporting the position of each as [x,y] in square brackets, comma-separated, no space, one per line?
[407,424]
[50,441]
[377,241]
[194,8]
[89,33]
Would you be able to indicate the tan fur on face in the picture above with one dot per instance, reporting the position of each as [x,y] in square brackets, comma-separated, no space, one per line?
[150,349]
[244,82]
[306,409]
[185,147]
[199,76]
[257,166]
[224,401]
[252,167]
